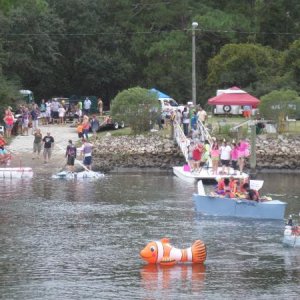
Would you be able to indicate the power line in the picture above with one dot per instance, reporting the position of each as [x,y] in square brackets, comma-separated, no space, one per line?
[149,32]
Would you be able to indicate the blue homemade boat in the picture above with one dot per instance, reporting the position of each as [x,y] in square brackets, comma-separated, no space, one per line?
[241,208]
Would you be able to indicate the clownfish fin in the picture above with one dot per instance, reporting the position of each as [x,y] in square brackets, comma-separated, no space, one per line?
[199,252]
[165,240]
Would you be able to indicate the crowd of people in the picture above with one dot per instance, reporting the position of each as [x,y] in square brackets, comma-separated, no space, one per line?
[232,188]
[47,112]
[29,116]
[222,153]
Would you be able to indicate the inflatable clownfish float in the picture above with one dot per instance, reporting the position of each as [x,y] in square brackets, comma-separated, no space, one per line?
[161,252]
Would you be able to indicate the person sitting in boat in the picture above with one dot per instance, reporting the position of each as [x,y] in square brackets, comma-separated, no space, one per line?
[5,156]
[220,186]
[233,187]
[223,187]
[2,141]
[253,195]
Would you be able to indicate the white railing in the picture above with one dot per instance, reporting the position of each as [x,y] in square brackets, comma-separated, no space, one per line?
[182,141]
[204,132]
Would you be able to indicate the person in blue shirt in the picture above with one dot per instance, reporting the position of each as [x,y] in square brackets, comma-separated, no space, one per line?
[194,120]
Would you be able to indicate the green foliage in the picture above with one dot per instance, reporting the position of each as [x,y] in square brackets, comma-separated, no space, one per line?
[8,94]
[243,65]
[88,47]
[279,104]
[137,107]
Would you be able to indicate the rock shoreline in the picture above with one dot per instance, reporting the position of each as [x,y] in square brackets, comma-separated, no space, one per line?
[154,151]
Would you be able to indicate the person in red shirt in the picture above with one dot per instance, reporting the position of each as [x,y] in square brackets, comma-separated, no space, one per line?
[9,122]
[197,153]
[2,141]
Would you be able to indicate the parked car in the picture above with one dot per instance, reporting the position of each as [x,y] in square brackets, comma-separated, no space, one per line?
[110,124]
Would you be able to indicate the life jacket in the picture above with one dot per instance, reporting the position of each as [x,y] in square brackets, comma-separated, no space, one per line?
[2,142]
[79,128]
[220,187]
[233,188]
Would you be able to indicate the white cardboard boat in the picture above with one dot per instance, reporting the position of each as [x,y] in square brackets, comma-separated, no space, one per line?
[78,175]
[206,174]
[16,172]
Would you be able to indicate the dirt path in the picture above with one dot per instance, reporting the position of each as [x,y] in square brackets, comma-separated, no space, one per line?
[21,148]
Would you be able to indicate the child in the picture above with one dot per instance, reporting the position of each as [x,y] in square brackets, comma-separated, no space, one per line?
[80,131]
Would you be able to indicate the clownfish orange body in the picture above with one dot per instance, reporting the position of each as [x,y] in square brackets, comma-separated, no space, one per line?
[161,252]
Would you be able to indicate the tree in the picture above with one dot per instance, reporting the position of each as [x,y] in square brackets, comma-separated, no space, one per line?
[243,65]
[137,107]
[279,104]
[30,47]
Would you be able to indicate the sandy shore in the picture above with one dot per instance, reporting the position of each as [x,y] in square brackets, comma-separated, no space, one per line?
[21,148]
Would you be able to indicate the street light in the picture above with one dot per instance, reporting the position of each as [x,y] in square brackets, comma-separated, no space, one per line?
[194,26]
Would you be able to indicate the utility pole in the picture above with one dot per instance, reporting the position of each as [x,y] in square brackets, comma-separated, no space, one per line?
[194,26]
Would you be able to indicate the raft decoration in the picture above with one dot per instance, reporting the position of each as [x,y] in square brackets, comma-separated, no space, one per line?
[163,253]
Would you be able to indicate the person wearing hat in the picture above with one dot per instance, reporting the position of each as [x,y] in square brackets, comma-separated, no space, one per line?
[71,153]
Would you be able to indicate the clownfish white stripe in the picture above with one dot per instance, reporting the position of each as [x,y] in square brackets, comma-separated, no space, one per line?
[176,254]
[160,251]
[189,254]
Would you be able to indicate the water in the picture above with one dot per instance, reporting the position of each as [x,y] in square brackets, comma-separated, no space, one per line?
[81,240]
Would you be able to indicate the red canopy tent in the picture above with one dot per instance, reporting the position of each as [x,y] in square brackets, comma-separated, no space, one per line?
[234,96]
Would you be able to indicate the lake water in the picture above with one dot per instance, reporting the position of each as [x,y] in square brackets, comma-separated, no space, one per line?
[81,240]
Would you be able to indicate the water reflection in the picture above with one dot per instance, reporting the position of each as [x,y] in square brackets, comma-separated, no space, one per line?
[80,240]
[157,277]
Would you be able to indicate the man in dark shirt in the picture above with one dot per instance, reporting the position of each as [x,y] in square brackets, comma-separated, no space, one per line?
[48,143]
[71,153]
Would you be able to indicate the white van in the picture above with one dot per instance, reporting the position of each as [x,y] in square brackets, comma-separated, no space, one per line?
[168,105]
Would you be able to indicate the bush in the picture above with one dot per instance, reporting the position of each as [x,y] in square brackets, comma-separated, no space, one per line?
[137,107]
[279,104]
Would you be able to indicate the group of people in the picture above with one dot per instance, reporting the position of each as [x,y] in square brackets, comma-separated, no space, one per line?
[86,151]
[47,112]
[188,118]
[47,144]
[222,154]
[232,188]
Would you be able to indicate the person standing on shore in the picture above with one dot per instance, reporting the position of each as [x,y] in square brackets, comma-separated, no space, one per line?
[71,154]
[9,122]
[48,143]
[100,106]
[202,115]
[86,151]
[37,143]
[87,106]
[95,125]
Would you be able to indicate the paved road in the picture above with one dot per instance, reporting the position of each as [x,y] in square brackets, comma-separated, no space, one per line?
[22,147]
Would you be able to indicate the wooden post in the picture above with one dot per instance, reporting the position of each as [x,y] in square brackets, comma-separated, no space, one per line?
[253,149]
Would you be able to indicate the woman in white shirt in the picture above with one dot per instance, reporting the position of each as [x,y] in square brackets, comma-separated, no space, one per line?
[225,151]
